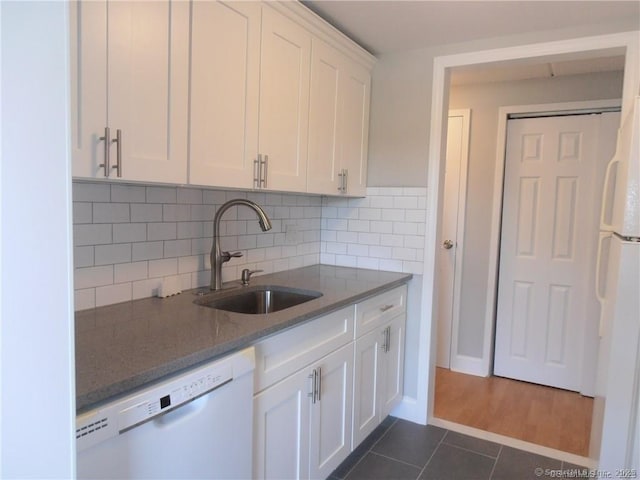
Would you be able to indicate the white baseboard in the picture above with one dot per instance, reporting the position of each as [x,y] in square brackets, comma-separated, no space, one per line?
[470,365]
[407,409]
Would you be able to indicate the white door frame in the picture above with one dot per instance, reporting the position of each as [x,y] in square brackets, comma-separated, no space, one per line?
[496,214]
[628,41]
[458,362]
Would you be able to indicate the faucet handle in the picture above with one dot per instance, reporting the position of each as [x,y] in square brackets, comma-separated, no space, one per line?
[246,275]
[226,256]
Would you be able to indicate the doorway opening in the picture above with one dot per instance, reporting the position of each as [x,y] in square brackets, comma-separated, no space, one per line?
[482,357]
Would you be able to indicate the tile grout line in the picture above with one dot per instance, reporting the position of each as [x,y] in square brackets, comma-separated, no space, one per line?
[470,451]
[495,463]
[433,453]
[369,450]
[395,460]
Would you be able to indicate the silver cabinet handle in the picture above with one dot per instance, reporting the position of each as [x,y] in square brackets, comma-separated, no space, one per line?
[256,171]
[388,342]
[447,244]
[118,141]
[264,164]
[343,181]
[312,393]
[383,347]
[384,308]
[107,144]
[319,383]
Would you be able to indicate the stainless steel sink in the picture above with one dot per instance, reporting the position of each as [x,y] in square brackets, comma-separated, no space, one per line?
[257,300]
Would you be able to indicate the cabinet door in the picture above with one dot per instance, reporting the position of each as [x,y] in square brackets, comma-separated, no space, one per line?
[324,161]
[148,54]
[392,375]
[330,441]
[88,60]
[368,353]
[284,101]
[356,86]
[281,429]
[225,78]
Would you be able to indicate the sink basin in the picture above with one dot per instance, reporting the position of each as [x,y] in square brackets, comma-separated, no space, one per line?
[257,300]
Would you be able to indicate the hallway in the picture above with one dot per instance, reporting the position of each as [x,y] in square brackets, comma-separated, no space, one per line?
[538,414]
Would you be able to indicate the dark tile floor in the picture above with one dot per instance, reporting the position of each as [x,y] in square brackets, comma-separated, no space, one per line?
[398,449]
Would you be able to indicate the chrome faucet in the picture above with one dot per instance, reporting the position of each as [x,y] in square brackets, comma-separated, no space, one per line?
[218,257]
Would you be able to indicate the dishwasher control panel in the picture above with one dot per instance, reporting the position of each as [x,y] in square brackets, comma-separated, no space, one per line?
[171,395]
[116,417]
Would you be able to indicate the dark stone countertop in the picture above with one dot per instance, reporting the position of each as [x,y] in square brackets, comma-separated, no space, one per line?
[124,346]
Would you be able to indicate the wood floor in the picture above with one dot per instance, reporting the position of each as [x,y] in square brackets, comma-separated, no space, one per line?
[542,415]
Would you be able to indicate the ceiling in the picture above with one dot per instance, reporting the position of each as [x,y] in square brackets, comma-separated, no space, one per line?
[383,26]
[387,26]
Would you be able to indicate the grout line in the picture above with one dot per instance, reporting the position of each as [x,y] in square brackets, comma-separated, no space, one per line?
[395,460]
[495,463]
[433,453]
[469,450]
[369,450]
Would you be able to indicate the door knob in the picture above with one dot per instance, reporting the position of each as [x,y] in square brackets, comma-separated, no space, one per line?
[447,244]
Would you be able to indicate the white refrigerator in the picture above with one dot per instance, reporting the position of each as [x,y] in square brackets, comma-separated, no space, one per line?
[615,436]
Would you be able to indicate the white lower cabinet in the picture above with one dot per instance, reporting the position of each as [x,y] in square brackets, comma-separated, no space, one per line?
[303,423]
[319,393]
[379,360]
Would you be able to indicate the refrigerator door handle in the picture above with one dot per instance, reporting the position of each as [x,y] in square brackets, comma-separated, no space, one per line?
[599,295]
[604,205]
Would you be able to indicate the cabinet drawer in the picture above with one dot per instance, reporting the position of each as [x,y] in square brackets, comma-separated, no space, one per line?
[288,352]
[375,311]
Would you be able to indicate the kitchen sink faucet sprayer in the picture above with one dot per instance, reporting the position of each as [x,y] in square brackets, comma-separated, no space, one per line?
[218,257]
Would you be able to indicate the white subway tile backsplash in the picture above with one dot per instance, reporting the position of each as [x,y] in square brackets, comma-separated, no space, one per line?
[93,276]
[161,195]
[161,231]
[128,194]
[177,248]
[147,251]
[190,196]
[110,294]
[82,212]
[347,237]
[129,232]
[151,232]
[84,298]
[90,234]
[177,213]
[112,254]
[91,192]
[111,213]
[83,256]
[163,268]
[128,272]
[145,212]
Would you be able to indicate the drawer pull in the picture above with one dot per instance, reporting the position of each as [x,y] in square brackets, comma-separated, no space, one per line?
[384,308]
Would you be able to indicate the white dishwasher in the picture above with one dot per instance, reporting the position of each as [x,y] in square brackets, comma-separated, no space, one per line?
[193,425]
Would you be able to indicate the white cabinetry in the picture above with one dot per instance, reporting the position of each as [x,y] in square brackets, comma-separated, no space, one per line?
[302,416]
[338,123]
[284,103]
[319,393]
[225,84]
[379,360]
[129,88]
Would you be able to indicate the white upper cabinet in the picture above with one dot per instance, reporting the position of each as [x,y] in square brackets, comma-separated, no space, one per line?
[284,103]
[338,123]
[218,93]
[225,84]
[130,90]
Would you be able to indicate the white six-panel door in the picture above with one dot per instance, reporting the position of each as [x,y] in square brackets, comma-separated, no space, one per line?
[547,231]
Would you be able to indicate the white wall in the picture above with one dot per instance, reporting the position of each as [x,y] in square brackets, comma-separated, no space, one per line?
[37,400]
[401,102]
[484,100]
